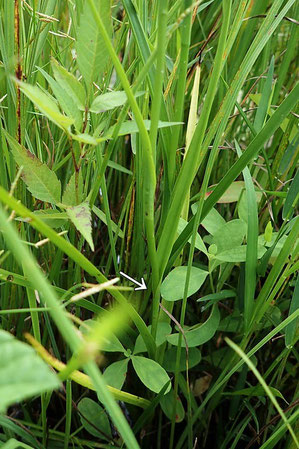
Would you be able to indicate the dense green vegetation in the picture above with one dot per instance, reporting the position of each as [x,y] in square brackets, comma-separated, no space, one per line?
[156,140]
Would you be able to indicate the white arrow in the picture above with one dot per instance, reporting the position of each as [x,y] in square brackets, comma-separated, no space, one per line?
[141,286]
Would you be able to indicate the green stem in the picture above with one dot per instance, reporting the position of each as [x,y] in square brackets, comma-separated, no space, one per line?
[150,172]
[159,78]
[68,414]
[192,160]
[180,90]
[144,71]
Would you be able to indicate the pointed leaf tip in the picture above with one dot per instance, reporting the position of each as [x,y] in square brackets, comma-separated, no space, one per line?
[81,217]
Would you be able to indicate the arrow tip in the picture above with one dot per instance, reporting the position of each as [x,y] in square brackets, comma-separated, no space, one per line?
[142,285]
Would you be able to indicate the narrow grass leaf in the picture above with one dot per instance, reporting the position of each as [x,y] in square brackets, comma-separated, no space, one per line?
[264,103]
[292,198]
[254,391]
[291,330]
[252,240]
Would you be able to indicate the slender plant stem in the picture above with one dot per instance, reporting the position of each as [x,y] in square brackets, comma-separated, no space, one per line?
[150,172]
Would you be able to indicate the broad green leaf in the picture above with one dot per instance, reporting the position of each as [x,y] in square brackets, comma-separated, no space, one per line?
[253,391]
[96,418]
[199,334]
[86,138]
[169,363]
[173,286]
[73,194]
[167,404]
[232,194]
[238,254]
[22,373]
[199,244]
[163,329]
[212,222]
[131,127]
[65,100]
[232,323]
[115,374]
[46,105]
[110,100]
[40,180]
[92,55]
[81,217]
[230,235]
[111,344]
[151,374]
[70,84]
